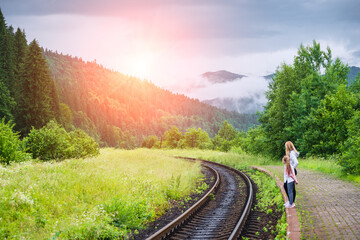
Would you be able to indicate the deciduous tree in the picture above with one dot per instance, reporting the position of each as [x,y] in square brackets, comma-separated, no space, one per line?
[172,137]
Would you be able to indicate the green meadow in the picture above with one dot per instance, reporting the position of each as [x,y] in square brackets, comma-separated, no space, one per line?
[102,197]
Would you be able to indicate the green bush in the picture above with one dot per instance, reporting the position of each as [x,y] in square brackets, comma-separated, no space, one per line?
[82,145]
[237,150]
[129,213]
[255,141]
[53,142]
[172,137]
[11,147]
[49,142]
[350,160]
[97,226]
[150,142]
[226,138]
[196,138]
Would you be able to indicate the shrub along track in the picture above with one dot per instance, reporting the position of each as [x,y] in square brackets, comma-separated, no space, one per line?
[220,214]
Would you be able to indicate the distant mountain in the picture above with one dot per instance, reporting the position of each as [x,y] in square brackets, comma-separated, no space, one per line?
[354,71]
[248,105]
[221,76]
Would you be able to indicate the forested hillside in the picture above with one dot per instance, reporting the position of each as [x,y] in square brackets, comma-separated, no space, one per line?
[116,108]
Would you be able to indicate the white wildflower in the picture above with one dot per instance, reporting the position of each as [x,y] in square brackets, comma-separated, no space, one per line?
[21,198]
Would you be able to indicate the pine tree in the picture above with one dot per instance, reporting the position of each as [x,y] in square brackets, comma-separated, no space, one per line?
[6,104]
[6,71]
[20,47]
[38,102]
[10,63]
[54,100]
[6,53]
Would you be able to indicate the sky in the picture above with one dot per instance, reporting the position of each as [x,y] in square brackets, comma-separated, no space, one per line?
[172,42]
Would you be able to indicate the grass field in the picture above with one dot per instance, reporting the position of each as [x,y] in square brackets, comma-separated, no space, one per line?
[91,198]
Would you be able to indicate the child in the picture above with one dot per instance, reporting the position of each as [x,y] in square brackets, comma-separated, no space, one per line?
[290,180]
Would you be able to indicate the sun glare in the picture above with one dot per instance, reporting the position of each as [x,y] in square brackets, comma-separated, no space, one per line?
[142,64]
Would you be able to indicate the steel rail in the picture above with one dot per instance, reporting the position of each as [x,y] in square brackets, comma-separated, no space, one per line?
[237,230]
[169,228]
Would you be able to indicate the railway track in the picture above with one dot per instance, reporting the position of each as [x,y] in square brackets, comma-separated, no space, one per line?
[220,214]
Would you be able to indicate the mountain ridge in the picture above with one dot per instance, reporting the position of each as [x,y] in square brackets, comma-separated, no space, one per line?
[221,76]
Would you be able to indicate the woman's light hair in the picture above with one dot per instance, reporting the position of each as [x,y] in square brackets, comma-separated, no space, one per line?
[289,146]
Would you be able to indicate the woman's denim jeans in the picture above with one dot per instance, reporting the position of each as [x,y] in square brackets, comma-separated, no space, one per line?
[290,188]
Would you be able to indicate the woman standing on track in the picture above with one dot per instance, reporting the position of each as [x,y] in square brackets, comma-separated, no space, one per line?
[293,154]
[289,180]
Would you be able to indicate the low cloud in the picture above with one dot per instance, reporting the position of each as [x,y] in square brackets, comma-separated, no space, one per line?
[249,104]
[246,95]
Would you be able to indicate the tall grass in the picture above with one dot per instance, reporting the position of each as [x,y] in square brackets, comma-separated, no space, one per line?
[328,166]
[102,197]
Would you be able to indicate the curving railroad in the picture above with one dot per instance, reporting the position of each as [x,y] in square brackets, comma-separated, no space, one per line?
[219,214]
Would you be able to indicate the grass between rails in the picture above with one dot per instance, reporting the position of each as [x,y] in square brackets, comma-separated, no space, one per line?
[93,198]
